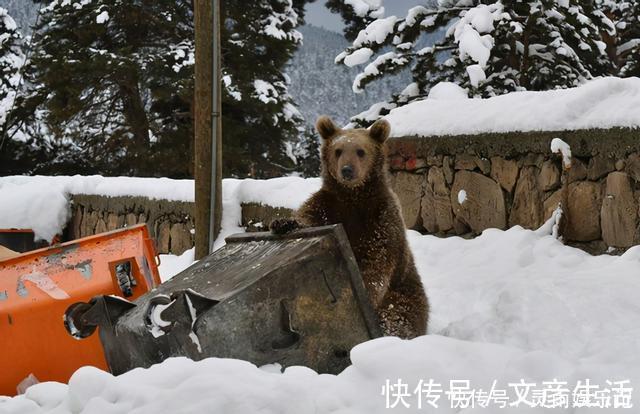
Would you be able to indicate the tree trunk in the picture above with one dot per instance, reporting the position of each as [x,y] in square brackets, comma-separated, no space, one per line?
[136,117]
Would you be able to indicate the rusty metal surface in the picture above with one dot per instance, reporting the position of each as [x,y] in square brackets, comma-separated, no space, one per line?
[37,287]
[296,299]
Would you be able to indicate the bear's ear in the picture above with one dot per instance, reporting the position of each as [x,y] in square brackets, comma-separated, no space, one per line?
[380,130]
[326,127]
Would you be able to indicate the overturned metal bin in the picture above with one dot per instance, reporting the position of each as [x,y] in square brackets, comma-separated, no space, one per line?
[295,299]
[38,287]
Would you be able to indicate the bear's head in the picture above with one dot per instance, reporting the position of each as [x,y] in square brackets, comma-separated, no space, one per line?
[353,157]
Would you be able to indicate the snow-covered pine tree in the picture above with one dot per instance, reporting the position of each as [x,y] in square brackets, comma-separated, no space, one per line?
[624,46]
[486,47]
[356,14]
[11,60]
[92,65]
[12,153]
[116,78]
[260,121]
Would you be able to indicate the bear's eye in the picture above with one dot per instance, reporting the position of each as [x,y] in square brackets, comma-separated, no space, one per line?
[338,153]
[360,153]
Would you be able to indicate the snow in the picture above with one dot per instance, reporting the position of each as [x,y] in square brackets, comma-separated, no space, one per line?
[25,198]
[288,192]
[473,45]
[476,75]
[153,188]
[362,8]
[102,17]
[600,104]
[558,146]
[8,21]
[232,89]
[376,32]
[171,264]
[22,208]
[373,68]
[447,91]
[358,57]
[462,196]
[506,306]
[413,14]
[281,23]
[265,91]
[155,317]
[469,29]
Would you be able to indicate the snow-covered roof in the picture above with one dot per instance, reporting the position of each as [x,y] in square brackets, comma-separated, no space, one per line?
[599,104]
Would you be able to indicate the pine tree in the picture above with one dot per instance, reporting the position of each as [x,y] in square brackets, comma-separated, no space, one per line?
[92,67]
[356,14]
[115,78]
[15,156]
[488,48]
[11,60]
[623,46]
[258,114]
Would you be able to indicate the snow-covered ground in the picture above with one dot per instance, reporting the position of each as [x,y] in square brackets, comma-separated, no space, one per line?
[516,307]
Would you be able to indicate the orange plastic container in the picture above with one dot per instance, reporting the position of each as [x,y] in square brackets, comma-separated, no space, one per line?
[37,287]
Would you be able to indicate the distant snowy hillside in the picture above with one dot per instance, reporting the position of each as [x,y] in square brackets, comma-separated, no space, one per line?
[319,86]
[23,12]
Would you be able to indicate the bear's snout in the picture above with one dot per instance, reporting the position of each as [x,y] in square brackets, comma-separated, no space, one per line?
[347,172]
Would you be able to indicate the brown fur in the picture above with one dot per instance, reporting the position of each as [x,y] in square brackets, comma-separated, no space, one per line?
[370,213]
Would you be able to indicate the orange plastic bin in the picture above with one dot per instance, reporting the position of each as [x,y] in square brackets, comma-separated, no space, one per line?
[37,287]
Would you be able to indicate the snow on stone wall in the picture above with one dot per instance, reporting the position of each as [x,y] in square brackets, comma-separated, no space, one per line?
[602,103]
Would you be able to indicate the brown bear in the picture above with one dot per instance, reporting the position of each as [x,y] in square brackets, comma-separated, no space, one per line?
[356,193]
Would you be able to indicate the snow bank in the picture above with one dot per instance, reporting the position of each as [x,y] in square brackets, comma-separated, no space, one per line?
[601,103]
[288,192]
[526,289]
[171,265]
[39,207]
[42,203]
[153,188]
[509,306]
[230,386]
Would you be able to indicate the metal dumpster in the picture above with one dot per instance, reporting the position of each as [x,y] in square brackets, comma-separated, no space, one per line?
[36,288]
[295,299]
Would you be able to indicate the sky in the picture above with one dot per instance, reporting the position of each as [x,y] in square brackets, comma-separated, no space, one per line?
[318,15]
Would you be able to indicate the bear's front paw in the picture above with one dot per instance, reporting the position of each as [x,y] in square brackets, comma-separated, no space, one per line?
[284,225]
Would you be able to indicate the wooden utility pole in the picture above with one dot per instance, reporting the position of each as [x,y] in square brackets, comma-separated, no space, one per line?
[208,126]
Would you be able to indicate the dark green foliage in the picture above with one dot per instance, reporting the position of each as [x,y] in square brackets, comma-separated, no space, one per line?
[623,47]
[258,41]
[99,81]
[111,87]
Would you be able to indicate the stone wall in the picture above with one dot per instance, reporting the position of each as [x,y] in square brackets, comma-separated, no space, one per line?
[461,185]
[170,223]
[453,186]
